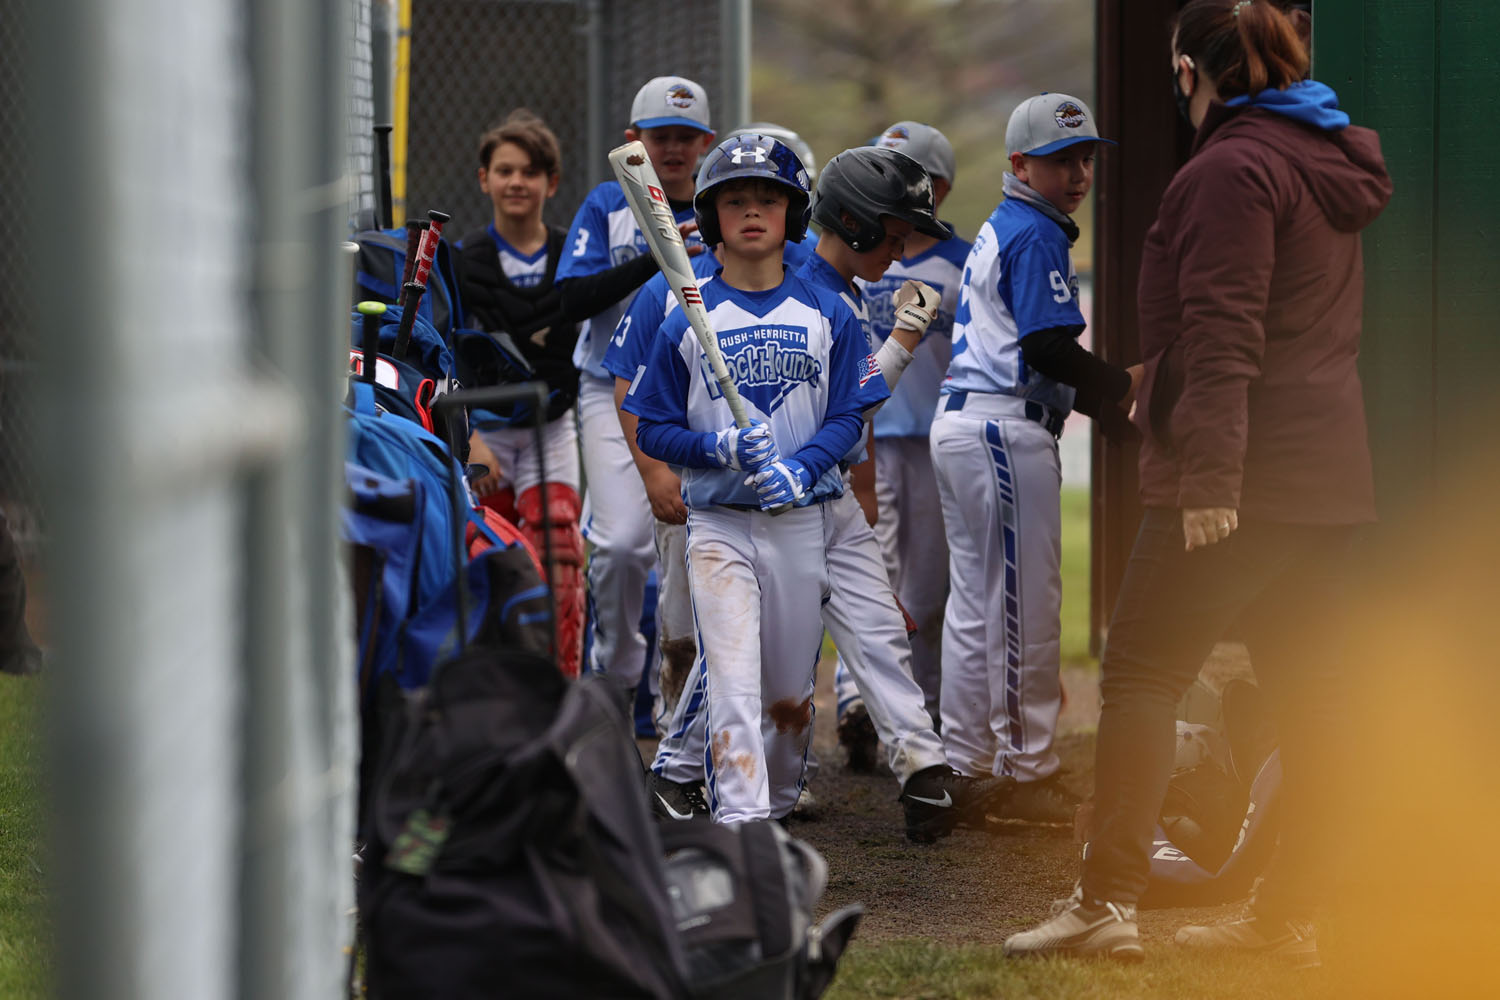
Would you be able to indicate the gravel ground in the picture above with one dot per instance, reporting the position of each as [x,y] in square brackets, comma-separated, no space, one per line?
[976,886]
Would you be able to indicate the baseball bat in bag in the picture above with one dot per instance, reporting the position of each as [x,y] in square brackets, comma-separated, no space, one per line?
[412,290]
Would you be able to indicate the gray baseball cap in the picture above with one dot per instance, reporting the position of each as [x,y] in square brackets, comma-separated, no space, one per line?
[924,144]
[670,100]
[1048,122]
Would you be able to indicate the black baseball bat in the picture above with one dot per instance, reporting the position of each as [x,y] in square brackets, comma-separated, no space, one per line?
[370,313]
[383,183]
[414,231]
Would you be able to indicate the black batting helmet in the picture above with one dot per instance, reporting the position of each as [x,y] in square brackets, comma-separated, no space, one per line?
[870,181]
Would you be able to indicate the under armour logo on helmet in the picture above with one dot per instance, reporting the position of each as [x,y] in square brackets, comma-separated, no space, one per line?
[740,152]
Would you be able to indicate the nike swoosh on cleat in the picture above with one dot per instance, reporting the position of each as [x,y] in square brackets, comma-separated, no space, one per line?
[943,803]
[674,813]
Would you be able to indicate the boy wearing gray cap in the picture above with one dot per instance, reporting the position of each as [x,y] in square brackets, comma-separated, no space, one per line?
[909,527]
[1016,372]
[603,264]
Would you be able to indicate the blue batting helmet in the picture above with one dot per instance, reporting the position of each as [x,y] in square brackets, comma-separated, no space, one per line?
[753,155]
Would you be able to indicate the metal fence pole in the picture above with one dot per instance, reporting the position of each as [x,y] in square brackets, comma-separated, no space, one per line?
[734,41]
[595,165]
[198,845]
[296,850]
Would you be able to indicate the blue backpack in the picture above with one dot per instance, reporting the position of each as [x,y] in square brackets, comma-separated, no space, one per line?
[380,264]
[409,385]
[422,597]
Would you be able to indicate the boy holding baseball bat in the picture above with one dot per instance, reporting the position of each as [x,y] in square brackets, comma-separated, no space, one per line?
[801,366]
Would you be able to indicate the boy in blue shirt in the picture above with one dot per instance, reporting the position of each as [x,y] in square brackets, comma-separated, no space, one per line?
[1016,372]
[803,369]
[604,263]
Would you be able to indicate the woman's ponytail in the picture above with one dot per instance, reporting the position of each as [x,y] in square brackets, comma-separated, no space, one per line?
[1246,45]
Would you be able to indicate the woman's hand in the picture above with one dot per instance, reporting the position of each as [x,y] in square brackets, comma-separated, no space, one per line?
[1136,373]
[1206,525]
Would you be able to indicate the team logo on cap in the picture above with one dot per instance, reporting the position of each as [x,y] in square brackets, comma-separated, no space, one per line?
[1069,115]
[895,137]
[680,95]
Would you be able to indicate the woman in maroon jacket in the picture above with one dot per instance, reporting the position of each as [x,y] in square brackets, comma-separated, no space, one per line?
[1254,468]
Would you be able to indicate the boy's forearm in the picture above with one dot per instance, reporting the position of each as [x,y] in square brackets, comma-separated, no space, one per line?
[832,442]
[629,423]
[675,444]
[587,295]
[1057,354]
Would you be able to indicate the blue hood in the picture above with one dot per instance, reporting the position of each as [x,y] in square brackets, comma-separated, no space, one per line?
[1309,102]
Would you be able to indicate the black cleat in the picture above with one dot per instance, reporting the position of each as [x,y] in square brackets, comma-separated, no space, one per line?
[1047,802]
[937,799]
[857,737]
[675,799]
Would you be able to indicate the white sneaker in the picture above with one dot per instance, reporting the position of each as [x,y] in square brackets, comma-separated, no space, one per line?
[807,808]
[1293,940]
[1076,928]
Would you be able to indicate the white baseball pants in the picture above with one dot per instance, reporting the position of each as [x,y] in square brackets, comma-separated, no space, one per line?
[999,479]
[758,585]
[915,546]
[617,524]
[866,625]
[516,453]
[676,645]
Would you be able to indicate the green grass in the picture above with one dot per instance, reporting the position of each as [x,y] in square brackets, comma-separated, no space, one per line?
[1075,575]
[23,934]
[927,970]
[1075,578]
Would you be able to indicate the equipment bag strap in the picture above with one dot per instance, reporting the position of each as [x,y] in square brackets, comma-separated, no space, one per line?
[767,886]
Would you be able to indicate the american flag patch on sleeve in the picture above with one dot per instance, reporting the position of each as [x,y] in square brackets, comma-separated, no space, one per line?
[868,369]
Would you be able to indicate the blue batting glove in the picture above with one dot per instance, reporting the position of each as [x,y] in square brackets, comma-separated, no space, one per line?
[782,482]
[748,449]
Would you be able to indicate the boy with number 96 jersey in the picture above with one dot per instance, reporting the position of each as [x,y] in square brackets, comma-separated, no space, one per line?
[1017,370]
[802,367]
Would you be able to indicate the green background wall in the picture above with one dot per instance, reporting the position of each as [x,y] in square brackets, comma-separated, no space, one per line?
[1427,77]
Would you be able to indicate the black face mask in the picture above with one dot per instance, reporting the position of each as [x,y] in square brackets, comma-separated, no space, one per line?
[1182,99]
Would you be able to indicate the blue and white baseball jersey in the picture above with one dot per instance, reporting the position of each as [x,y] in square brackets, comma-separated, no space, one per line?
[654,301]
[798,358]
[523,270]
[604,235]
[819,272]
[1018,279]
[909,411]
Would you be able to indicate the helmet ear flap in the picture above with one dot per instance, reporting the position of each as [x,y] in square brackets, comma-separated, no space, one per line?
[707,217]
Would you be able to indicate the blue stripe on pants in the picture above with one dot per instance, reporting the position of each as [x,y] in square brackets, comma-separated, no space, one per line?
[1009,533]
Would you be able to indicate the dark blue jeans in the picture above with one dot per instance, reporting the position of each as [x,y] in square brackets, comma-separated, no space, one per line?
[1283,585]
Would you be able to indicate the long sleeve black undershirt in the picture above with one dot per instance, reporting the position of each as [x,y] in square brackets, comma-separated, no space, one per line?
[1056,353]
[590,294]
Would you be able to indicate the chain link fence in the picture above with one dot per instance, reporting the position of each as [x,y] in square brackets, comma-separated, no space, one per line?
[576,64]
